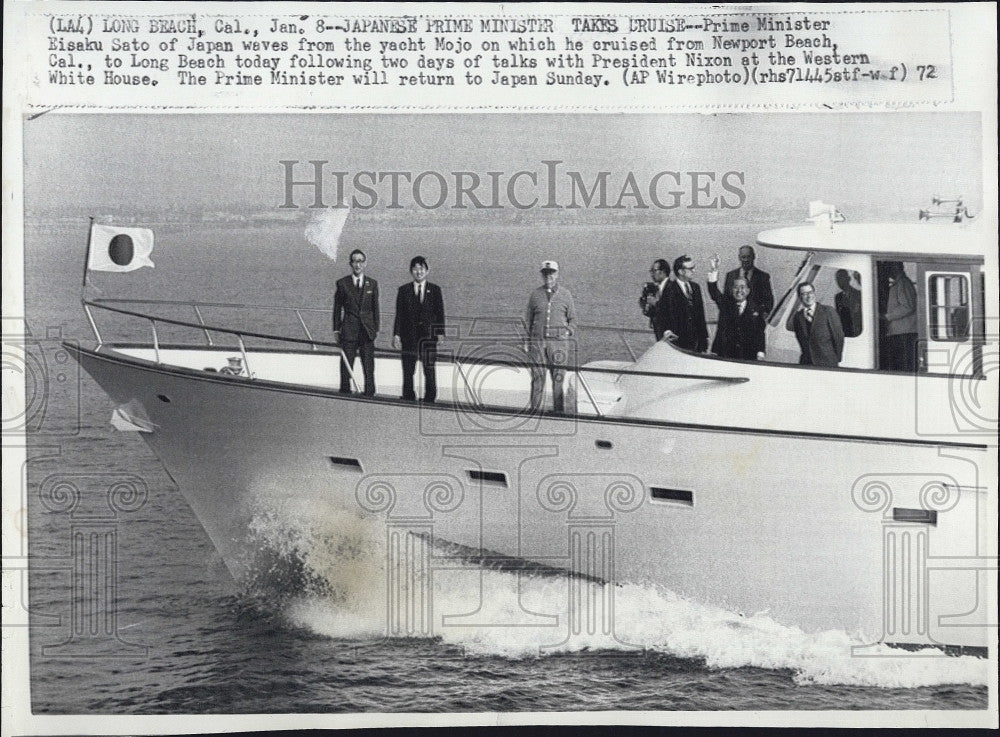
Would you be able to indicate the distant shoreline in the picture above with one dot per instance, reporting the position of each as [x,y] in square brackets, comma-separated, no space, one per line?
[170,225]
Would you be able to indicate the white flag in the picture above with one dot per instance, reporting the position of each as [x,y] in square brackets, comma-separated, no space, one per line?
[119,249]
[324,230]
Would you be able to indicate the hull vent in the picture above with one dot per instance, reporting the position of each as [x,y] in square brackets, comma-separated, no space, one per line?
[489,477]
[676,496]
[352,463]
[925,516]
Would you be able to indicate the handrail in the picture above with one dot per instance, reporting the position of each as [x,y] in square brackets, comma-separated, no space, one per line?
[186,324]
[350,371]
[183,302]
[156,341]
[246,358]
[473,398]
[326,310]
[583,383]
[93,325]
[208,336]
[240,334]
[305,328]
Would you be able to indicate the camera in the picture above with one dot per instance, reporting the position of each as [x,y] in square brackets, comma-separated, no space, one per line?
[650,289]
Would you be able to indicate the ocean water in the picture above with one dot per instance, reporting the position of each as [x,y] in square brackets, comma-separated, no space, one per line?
[157,626]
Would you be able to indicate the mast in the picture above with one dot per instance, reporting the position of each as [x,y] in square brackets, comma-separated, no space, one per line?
[86,258]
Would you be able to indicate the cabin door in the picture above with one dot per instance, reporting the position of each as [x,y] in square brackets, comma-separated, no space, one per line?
[951,327]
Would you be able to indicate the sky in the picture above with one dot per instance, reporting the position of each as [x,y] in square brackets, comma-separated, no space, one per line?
[866,163]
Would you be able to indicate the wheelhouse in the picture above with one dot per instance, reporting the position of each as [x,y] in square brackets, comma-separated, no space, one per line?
[851,267]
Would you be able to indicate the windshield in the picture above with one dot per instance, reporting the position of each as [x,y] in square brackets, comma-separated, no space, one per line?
[806,273]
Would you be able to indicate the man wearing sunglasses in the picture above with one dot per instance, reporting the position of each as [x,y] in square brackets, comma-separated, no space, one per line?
[651,302]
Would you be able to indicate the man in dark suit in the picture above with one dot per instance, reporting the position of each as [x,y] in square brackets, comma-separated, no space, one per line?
[818,330]
[740,330]
[758,281]
[652,303]
[685,318]
[419,322]
[356,322]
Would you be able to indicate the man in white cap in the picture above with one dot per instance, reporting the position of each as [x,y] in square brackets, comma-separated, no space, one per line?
[550,321]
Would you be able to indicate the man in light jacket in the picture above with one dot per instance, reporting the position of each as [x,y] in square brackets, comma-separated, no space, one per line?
[901,320]
[550,321]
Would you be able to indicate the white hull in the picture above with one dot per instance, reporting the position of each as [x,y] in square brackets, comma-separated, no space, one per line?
[800,524]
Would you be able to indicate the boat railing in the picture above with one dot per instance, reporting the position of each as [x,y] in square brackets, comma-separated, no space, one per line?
[515,337]
[106,303]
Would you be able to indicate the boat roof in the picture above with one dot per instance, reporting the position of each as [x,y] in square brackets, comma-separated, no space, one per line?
[898,239]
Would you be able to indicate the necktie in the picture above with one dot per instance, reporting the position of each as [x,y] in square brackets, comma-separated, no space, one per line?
[809,315]
[357,282]
[420,293]
[742,305]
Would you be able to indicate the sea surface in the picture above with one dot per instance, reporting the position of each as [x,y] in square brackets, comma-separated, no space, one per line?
[147,620]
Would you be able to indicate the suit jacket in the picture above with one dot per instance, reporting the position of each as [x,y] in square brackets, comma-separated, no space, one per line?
[356,312]
[416,320]
[736,335]
[760,289]
[822,342]
[685,317]
[659,315]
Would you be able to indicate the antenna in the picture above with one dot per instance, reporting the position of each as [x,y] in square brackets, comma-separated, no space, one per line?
[823,215]
[960,213]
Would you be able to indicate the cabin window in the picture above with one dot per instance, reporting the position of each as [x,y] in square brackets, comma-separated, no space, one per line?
[807,274]
[837,288]
[840,287]
[948,306]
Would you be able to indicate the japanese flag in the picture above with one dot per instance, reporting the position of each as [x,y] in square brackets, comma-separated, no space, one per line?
[119,249]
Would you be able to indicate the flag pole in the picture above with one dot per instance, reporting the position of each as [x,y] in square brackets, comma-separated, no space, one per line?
[86,258]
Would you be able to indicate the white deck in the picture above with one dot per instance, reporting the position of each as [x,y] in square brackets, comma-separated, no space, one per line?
[690,389]
[464,383]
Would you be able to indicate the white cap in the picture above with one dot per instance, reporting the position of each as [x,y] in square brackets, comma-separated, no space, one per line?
[550,266]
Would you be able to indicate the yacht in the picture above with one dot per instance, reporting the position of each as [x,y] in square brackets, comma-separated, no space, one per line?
[858,497]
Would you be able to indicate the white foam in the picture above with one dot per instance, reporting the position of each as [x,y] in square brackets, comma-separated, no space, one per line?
[503,614]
